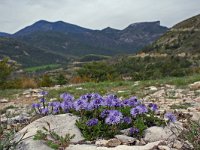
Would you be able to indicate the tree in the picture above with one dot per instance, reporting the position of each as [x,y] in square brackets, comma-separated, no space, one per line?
[6,69]
[61,80]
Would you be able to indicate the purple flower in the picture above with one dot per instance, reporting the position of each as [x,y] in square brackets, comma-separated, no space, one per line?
[125,102]
[56,104]
[153,107]
[134,112]
[127,120]
[45,111]
[42,100]
[114,117]
[92,122]
[111,120]
[55,110]
[80,104]
[44,93]
[66,97]
[96,96]
[97,103]
[133,102]
[112,101]
[111,96]
[50,104]
[104,113]
[115,113]
[142,109]
[133,131]
[86,97]
[66,105]
[171,117]
[36,105]
[109,102]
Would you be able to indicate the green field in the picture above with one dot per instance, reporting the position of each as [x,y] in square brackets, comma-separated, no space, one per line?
[42,68]
[9,93]
[121,88]
[124,89]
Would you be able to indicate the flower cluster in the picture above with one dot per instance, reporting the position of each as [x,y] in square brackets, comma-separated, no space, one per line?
[106,111]
[87,102]
[113,117]
[170,117]
[92,122]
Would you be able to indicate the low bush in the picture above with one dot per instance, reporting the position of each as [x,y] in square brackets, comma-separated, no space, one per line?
[192,133]
[7,138]
[52,139]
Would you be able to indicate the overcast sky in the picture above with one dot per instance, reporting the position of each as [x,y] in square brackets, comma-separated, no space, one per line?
[94,14]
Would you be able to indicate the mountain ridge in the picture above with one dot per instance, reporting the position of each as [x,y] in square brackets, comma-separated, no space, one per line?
[43,25]
[184,37]
[72,40]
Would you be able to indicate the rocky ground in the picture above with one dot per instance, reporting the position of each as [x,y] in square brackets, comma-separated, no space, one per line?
[182,101]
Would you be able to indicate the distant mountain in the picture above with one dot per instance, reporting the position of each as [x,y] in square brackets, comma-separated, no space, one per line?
[183,37]
[3,34]
[43,26]
[75,40]
[28,55]
[142,34]
[58,41]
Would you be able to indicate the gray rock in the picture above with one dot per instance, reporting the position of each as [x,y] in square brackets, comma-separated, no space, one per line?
[22,118]
[28,144]
[125,131]
[159,93]
[149,146]
[152,88]
[101,142]
[137,142]
[125,139]
[170,132]
[177,144]
[163,147]
[195,116]
[187,146]
[10,112]
[61,124]
[113,142]
[4,100]
[142,142]
[195,85]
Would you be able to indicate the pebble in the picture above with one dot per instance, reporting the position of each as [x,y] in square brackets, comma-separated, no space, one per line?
[4,100]
[177,144]
[125,139]
[113,142]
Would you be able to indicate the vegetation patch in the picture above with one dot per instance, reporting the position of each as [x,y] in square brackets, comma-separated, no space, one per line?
[180,106]
[104,117]
[42,68]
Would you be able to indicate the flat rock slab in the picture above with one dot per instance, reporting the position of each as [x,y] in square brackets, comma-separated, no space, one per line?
[148,146]
[61,124]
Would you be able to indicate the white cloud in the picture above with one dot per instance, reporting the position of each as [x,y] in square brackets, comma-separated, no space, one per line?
[95,14]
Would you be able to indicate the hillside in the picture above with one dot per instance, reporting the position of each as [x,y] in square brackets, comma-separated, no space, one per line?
[3,34]
[183,37]
[53,42]
[74,40]
[43,25]
[28,55]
